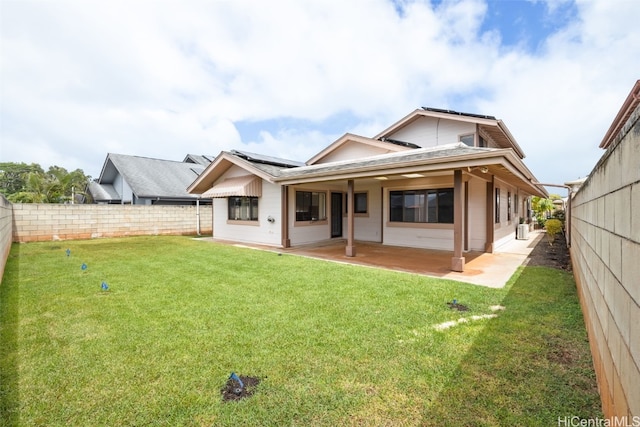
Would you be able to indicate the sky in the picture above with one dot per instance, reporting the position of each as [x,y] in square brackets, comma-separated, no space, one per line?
[167,78]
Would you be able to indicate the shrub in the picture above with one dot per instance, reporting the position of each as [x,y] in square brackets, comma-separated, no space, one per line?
[553,227]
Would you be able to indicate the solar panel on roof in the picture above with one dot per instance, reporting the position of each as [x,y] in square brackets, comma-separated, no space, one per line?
[440,110]
[269,160]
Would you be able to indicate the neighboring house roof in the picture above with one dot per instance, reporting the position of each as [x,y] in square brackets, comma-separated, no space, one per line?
[103,192]
[199,159]
[628,107]
[147,177]
[489,126]
[576,184]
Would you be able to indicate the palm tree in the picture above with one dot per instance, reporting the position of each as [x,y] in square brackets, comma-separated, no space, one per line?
[542,207]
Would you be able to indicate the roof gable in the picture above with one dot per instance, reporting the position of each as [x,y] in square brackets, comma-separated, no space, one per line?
[266,167]
[338,149]
[490,127]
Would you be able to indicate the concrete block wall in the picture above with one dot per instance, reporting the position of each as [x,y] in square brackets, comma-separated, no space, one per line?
[42,222]
[605,252]
[6,227]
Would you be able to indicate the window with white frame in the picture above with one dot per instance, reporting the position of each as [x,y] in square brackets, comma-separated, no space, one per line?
[243,208]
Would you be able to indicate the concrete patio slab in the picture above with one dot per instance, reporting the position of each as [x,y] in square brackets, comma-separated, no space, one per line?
[486,269]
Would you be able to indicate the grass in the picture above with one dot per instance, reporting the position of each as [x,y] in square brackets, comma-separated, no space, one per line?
[333,344]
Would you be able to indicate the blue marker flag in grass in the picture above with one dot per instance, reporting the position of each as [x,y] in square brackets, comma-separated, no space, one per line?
[84,266]
[68,252]
[105,287]
[236,378]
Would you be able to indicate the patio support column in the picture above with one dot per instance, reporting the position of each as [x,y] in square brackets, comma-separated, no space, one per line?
[351,249]
[488,246]
[284,227]
[457,262]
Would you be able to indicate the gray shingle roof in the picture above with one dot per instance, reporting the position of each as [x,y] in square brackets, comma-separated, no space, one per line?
[152,178]
[103,192]
[199,159]
[416,155]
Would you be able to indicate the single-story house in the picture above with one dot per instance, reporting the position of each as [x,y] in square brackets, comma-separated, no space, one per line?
[138,180]
[435,179]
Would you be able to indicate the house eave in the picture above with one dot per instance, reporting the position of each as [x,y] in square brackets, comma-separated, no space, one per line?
[506,158]
[220,165]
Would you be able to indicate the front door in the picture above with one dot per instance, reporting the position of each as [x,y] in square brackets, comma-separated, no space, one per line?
[336,214]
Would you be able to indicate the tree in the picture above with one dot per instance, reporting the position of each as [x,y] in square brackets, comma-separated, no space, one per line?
[23,183]
[542,207]
[13,176]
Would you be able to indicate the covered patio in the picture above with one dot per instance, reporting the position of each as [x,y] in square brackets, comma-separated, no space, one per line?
[486,269]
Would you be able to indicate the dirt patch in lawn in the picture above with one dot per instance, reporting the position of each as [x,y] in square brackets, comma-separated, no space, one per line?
[234,390]
[457,306]
[554,256]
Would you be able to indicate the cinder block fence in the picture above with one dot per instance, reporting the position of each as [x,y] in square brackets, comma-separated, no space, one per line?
[605,252]
[6,231]
[41,222]
[35,222]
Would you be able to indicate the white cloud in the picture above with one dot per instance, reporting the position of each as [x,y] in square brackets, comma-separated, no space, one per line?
[162,79]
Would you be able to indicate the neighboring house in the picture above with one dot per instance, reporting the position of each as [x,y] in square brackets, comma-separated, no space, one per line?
[145,181]
[435,179]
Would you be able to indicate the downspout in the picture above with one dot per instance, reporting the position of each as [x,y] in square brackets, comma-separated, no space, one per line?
[568,213]
[198,216]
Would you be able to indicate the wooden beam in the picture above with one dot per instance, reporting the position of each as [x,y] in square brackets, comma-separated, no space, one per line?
[284,213]
[488,246]
[351,249]
[457,262]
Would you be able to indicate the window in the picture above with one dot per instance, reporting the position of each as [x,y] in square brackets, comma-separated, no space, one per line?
[243,208]
[431,206]
[509,206]
[482,142]
[360,206]
[497,206]
[310,206]
[468,139]
[516,202]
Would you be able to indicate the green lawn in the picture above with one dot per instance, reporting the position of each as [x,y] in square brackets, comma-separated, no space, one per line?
[333,344]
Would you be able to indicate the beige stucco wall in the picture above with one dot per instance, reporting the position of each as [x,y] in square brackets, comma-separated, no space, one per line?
[605,252]
[6,226]
[42,222]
